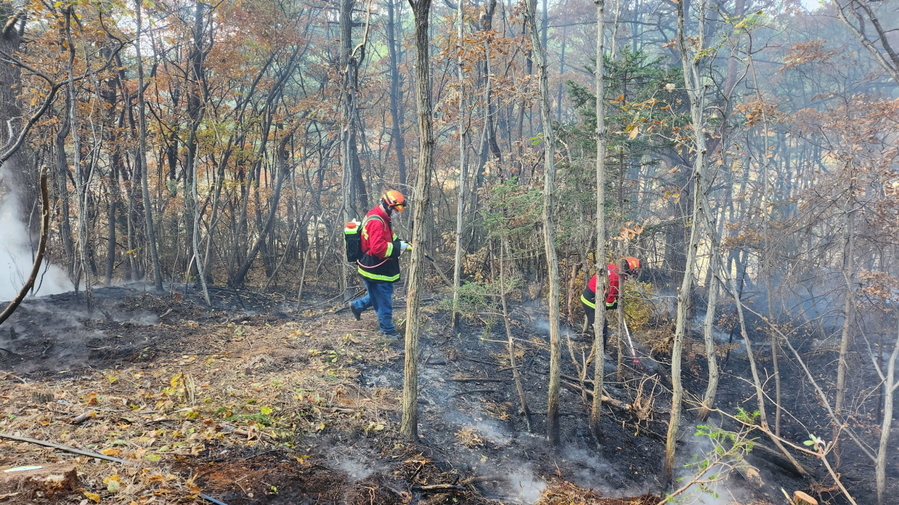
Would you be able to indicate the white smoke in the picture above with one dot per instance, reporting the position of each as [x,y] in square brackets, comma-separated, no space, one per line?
[724,485]
[525,487]
[17,257]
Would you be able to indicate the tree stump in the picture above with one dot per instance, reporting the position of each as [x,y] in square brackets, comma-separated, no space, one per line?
[800,498]
[39,481]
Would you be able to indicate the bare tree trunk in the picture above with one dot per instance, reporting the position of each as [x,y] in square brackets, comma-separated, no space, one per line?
[463,170]
[600,266]
[62,187]
[559,89]
[516,376]
[81,179]
[708,327]
[195,236]
[355,193]
[696,93]
[422,199]
[549,230]
[396,92]
[196,111]
[142,153]
[886,426]
[355,199]
[845,334]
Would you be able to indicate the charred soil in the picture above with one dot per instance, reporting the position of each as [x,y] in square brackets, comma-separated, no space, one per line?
[258,399]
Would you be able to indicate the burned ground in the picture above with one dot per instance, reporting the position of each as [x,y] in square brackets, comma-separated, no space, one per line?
[260,400]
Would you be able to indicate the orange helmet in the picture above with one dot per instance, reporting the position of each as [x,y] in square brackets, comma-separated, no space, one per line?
[632,263]
[394,200]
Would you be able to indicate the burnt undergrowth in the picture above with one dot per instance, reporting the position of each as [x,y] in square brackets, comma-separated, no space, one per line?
[259,399]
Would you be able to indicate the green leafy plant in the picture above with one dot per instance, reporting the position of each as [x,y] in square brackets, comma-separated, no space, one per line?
[728,454]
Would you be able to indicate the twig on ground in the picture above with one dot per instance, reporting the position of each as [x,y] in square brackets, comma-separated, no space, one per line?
[66,448]
[438,488]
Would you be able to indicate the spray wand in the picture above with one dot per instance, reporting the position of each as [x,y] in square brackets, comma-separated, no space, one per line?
[630,342]
[437,267]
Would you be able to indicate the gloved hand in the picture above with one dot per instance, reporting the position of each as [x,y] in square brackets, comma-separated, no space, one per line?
[404,245]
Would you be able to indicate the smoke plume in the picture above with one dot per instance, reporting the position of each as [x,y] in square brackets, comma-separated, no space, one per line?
[17,257]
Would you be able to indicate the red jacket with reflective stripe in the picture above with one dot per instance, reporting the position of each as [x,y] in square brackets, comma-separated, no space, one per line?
[380,248]
[614,286]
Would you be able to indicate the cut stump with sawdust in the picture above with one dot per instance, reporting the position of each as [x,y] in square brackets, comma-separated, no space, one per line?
[30,482]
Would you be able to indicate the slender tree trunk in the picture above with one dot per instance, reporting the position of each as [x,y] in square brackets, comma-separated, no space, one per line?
[111,211]
[81,179]
[708,328]
[559,89]
[355,199]
[355,193]
[62,187]
[846,333]
[680,332]
[422,199]
[396,92]
[516,376]
[768,253]
[142,153]
[196,110]
[696,94]
[195,235]
[886,426]
[463,169]
[549,231]
[600,266]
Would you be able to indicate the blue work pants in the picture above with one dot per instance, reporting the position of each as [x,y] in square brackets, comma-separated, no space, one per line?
[379,297]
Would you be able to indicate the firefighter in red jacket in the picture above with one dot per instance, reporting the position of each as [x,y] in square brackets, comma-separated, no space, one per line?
[611,291]
[380,266]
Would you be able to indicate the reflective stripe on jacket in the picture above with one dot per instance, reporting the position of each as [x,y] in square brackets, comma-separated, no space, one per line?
[587,301]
